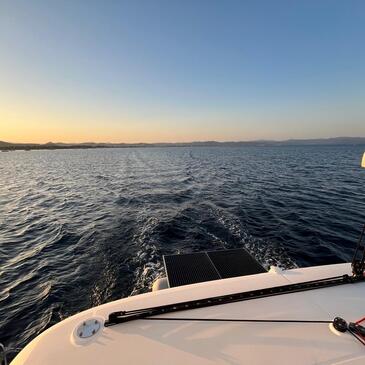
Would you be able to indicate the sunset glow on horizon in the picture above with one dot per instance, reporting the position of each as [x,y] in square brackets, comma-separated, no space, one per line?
[181,71]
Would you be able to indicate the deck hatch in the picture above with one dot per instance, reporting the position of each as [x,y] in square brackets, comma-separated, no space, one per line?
[199,267]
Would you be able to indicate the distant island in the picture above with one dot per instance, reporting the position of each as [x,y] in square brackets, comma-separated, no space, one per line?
[7,146]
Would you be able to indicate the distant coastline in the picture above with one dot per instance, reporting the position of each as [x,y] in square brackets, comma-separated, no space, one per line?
[8,146]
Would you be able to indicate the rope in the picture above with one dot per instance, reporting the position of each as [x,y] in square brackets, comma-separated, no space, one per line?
[236,320]
[360,339]
[126,316]
[360,320]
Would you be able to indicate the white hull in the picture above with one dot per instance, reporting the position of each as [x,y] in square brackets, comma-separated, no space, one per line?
[197,342]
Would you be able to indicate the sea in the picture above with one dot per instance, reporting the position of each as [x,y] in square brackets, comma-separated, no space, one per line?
[79,228]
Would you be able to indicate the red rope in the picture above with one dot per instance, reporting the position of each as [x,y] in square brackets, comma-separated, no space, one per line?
[360,320]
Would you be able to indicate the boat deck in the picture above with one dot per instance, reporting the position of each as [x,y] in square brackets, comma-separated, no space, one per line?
[185,339]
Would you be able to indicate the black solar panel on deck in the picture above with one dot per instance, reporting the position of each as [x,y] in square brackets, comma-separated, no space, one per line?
[189,269]
[206,266]
[231,263]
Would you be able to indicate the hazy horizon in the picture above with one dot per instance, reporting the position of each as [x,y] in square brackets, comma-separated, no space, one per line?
[170,71]
[25,141]
[191,141]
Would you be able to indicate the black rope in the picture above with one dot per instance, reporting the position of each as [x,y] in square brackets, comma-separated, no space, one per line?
[360,339]
[301,321]
[235,320]
[358,260]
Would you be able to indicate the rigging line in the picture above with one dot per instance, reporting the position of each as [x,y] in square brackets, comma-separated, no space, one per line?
[360,339]
[357,337]
[235,320]
[124,316]
[360,320]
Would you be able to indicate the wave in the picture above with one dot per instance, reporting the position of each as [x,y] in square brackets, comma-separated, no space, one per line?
[80,228]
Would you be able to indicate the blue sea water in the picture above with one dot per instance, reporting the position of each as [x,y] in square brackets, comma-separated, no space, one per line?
[82,227]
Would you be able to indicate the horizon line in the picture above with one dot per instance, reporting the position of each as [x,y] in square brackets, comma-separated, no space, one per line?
[188,142]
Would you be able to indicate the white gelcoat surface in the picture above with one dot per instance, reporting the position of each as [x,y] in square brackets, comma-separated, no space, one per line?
[191,342]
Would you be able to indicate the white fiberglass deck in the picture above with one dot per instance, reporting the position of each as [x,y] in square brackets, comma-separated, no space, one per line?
[186,342]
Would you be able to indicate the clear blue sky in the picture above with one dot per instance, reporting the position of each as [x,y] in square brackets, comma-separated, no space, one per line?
[181,70]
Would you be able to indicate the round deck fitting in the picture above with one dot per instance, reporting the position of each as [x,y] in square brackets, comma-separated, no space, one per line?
[88,328]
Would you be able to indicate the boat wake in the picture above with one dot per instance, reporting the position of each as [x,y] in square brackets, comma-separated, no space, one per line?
[190,231]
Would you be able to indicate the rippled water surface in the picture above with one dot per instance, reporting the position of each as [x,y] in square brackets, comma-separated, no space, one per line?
[83,227]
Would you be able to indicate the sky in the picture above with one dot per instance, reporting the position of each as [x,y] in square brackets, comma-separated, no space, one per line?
[174,71]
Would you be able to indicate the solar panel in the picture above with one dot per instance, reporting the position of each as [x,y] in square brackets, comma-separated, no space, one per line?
[189,269]
[231,263]
[199,267]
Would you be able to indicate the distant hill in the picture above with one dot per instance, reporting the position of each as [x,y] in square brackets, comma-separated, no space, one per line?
[7,146]
[336,140]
